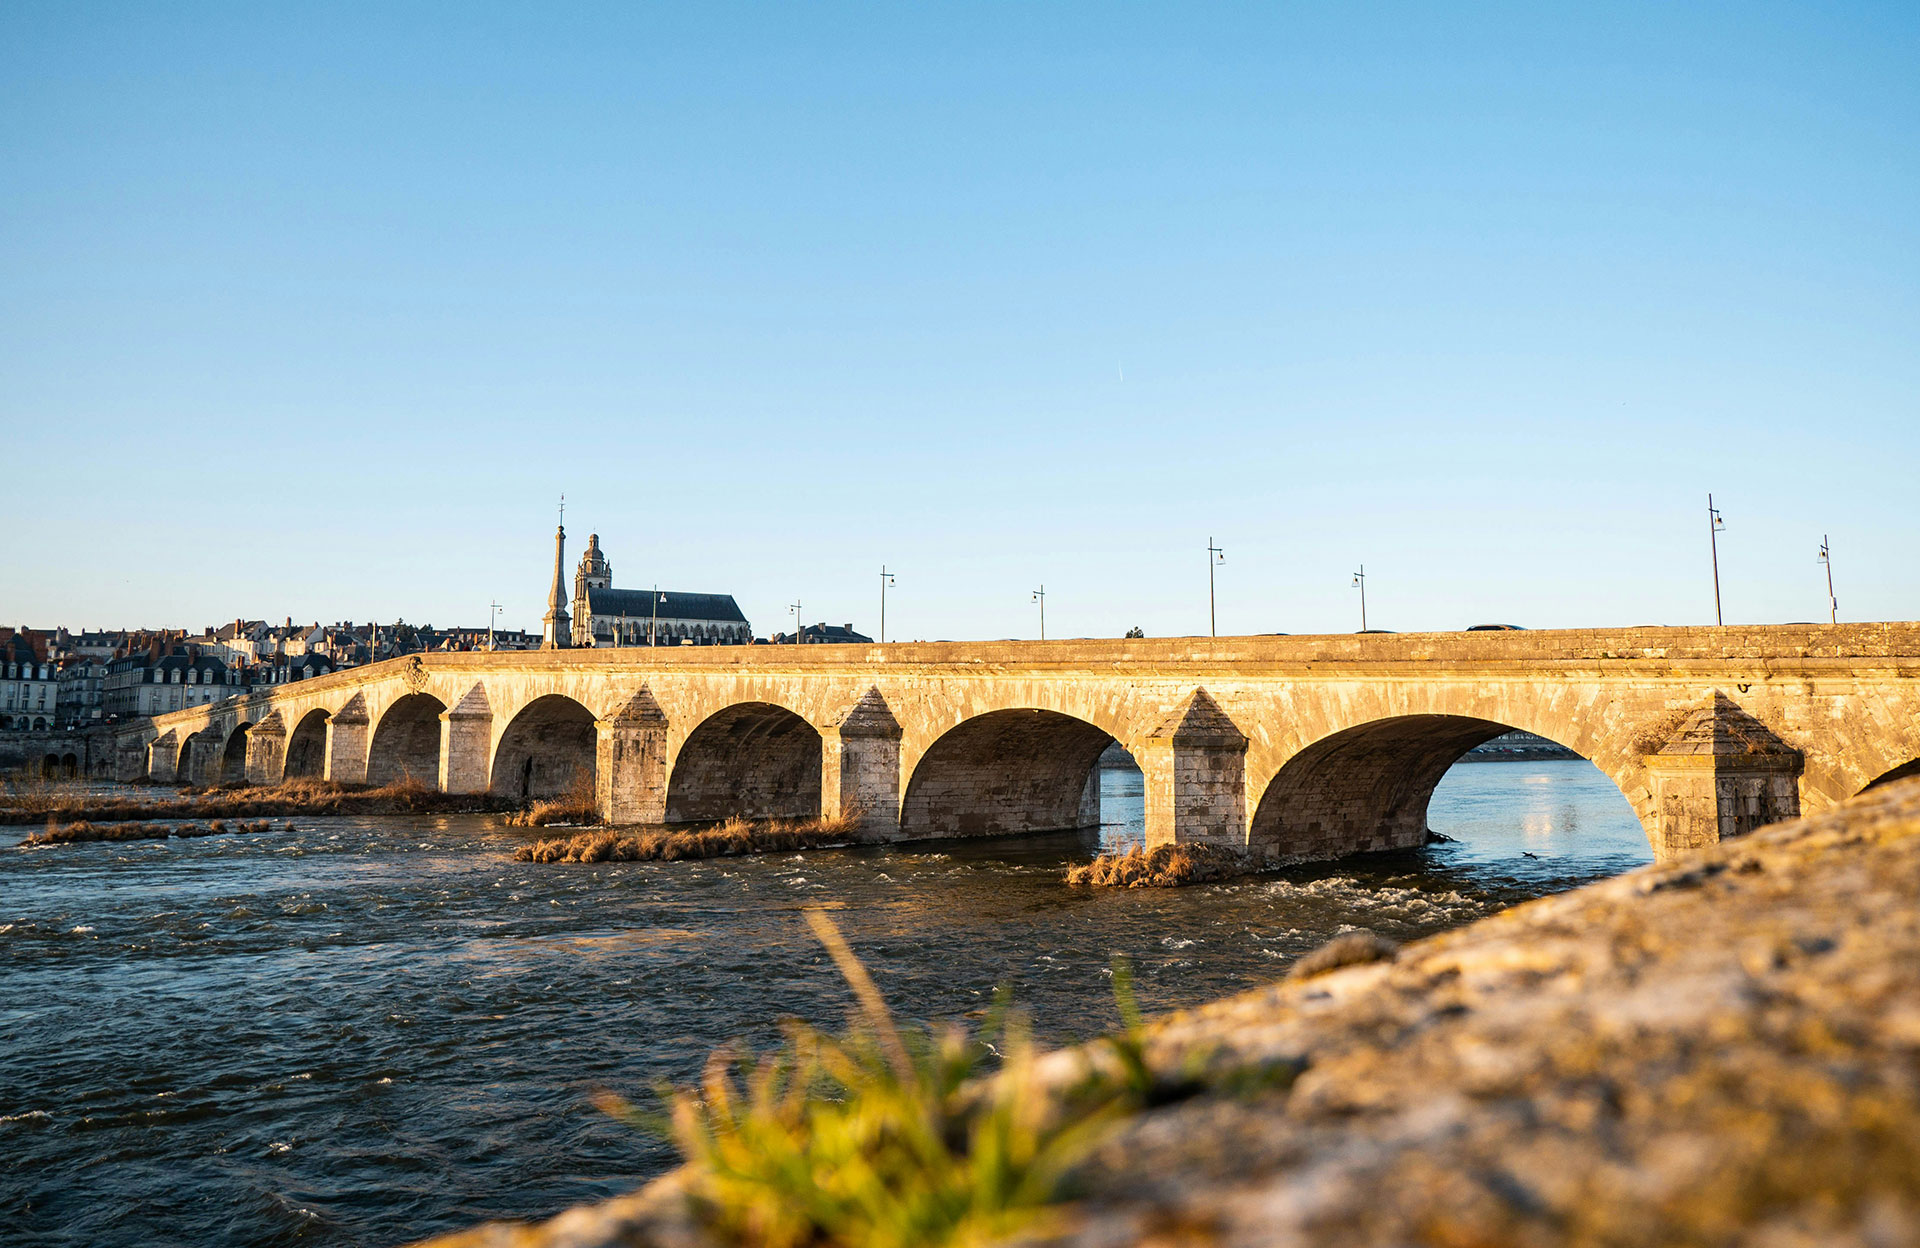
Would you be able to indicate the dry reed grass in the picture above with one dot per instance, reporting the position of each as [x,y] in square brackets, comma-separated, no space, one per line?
[735,836]
[553,810]
[80,833]
[579,806]
[300,796]
[1164,866]
[29,791]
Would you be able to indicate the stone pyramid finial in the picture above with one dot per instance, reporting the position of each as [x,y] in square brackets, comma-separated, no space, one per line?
[1721,729]
[642,710]
[1200,721]
[354,712]
[473,704]
[870,717]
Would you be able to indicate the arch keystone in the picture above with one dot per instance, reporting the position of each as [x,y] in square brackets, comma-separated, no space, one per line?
[1195,769]
[1721,773]
[860,768]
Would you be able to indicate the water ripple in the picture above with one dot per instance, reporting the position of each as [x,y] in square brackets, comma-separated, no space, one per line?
[367,1031]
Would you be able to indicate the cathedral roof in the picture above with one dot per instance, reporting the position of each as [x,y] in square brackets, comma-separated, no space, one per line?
[638,604]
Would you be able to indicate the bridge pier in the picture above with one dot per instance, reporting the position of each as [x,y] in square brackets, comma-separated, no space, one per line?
[1195,764]
[860,769]
[267,750]
[630,762]
[203,757]
[163,755]
[1720,775]
[466,743]
[130,759]
[347,743]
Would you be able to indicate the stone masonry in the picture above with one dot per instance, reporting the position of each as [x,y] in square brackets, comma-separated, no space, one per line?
[1289,747]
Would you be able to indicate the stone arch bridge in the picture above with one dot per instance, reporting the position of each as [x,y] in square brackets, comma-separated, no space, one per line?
[1291,747]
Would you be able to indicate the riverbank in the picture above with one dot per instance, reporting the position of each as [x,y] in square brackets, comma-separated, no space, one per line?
[1720,1048]
[294,797]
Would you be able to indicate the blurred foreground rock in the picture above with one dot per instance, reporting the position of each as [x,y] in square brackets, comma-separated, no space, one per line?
[1722,1049]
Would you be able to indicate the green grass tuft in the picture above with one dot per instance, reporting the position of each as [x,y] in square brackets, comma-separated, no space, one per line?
[883,1137]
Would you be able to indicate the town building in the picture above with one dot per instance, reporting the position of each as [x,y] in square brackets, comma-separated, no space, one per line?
[82,680]
[606,616]
[169,678]
[823,635]
[29,689]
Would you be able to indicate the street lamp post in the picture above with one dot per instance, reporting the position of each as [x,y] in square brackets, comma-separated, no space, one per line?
[1040,596]
[799,633]
[1826,557]
[1360,583]
[493,613]
[1714,525]
[886,579]
[1215,556]
[653,625]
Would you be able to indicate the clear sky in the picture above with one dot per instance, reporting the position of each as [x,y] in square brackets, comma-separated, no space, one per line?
[317,314]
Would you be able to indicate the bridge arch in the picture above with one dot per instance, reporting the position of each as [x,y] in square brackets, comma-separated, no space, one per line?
[183,759]
[1366,787]
[406,742]
[233,755]
[758,760]
[1004,772]
[547,750]
[307,746]
[1905,771]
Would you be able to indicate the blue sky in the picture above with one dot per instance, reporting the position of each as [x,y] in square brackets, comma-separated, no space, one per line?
[316,314]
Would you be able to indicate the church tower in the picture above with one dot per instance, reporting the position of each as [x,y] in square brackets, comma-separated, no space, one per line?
[593,573]
[556,631]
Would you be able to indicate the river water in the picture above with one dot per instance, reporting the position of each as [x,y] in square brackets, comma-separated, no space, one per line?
[370,1030]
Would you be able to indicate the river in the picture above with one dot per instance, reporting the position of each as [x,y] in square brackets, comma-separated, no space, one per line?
[370,1030]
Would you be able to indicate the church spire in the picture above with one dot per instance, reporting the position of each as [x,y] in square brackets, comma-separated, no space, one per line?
[556,630]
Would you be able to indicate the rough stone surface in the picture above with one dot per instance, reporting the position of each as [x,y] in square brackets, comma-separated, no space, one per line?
[466,742]
[1723,1049]
[1722,773]
[1195,769]
[860,771]
[630,762]
[1303,747]
[267,750]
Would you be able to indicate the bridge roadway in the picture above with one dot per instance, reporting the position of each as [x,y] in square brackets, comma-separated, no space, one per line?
[1291,747]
